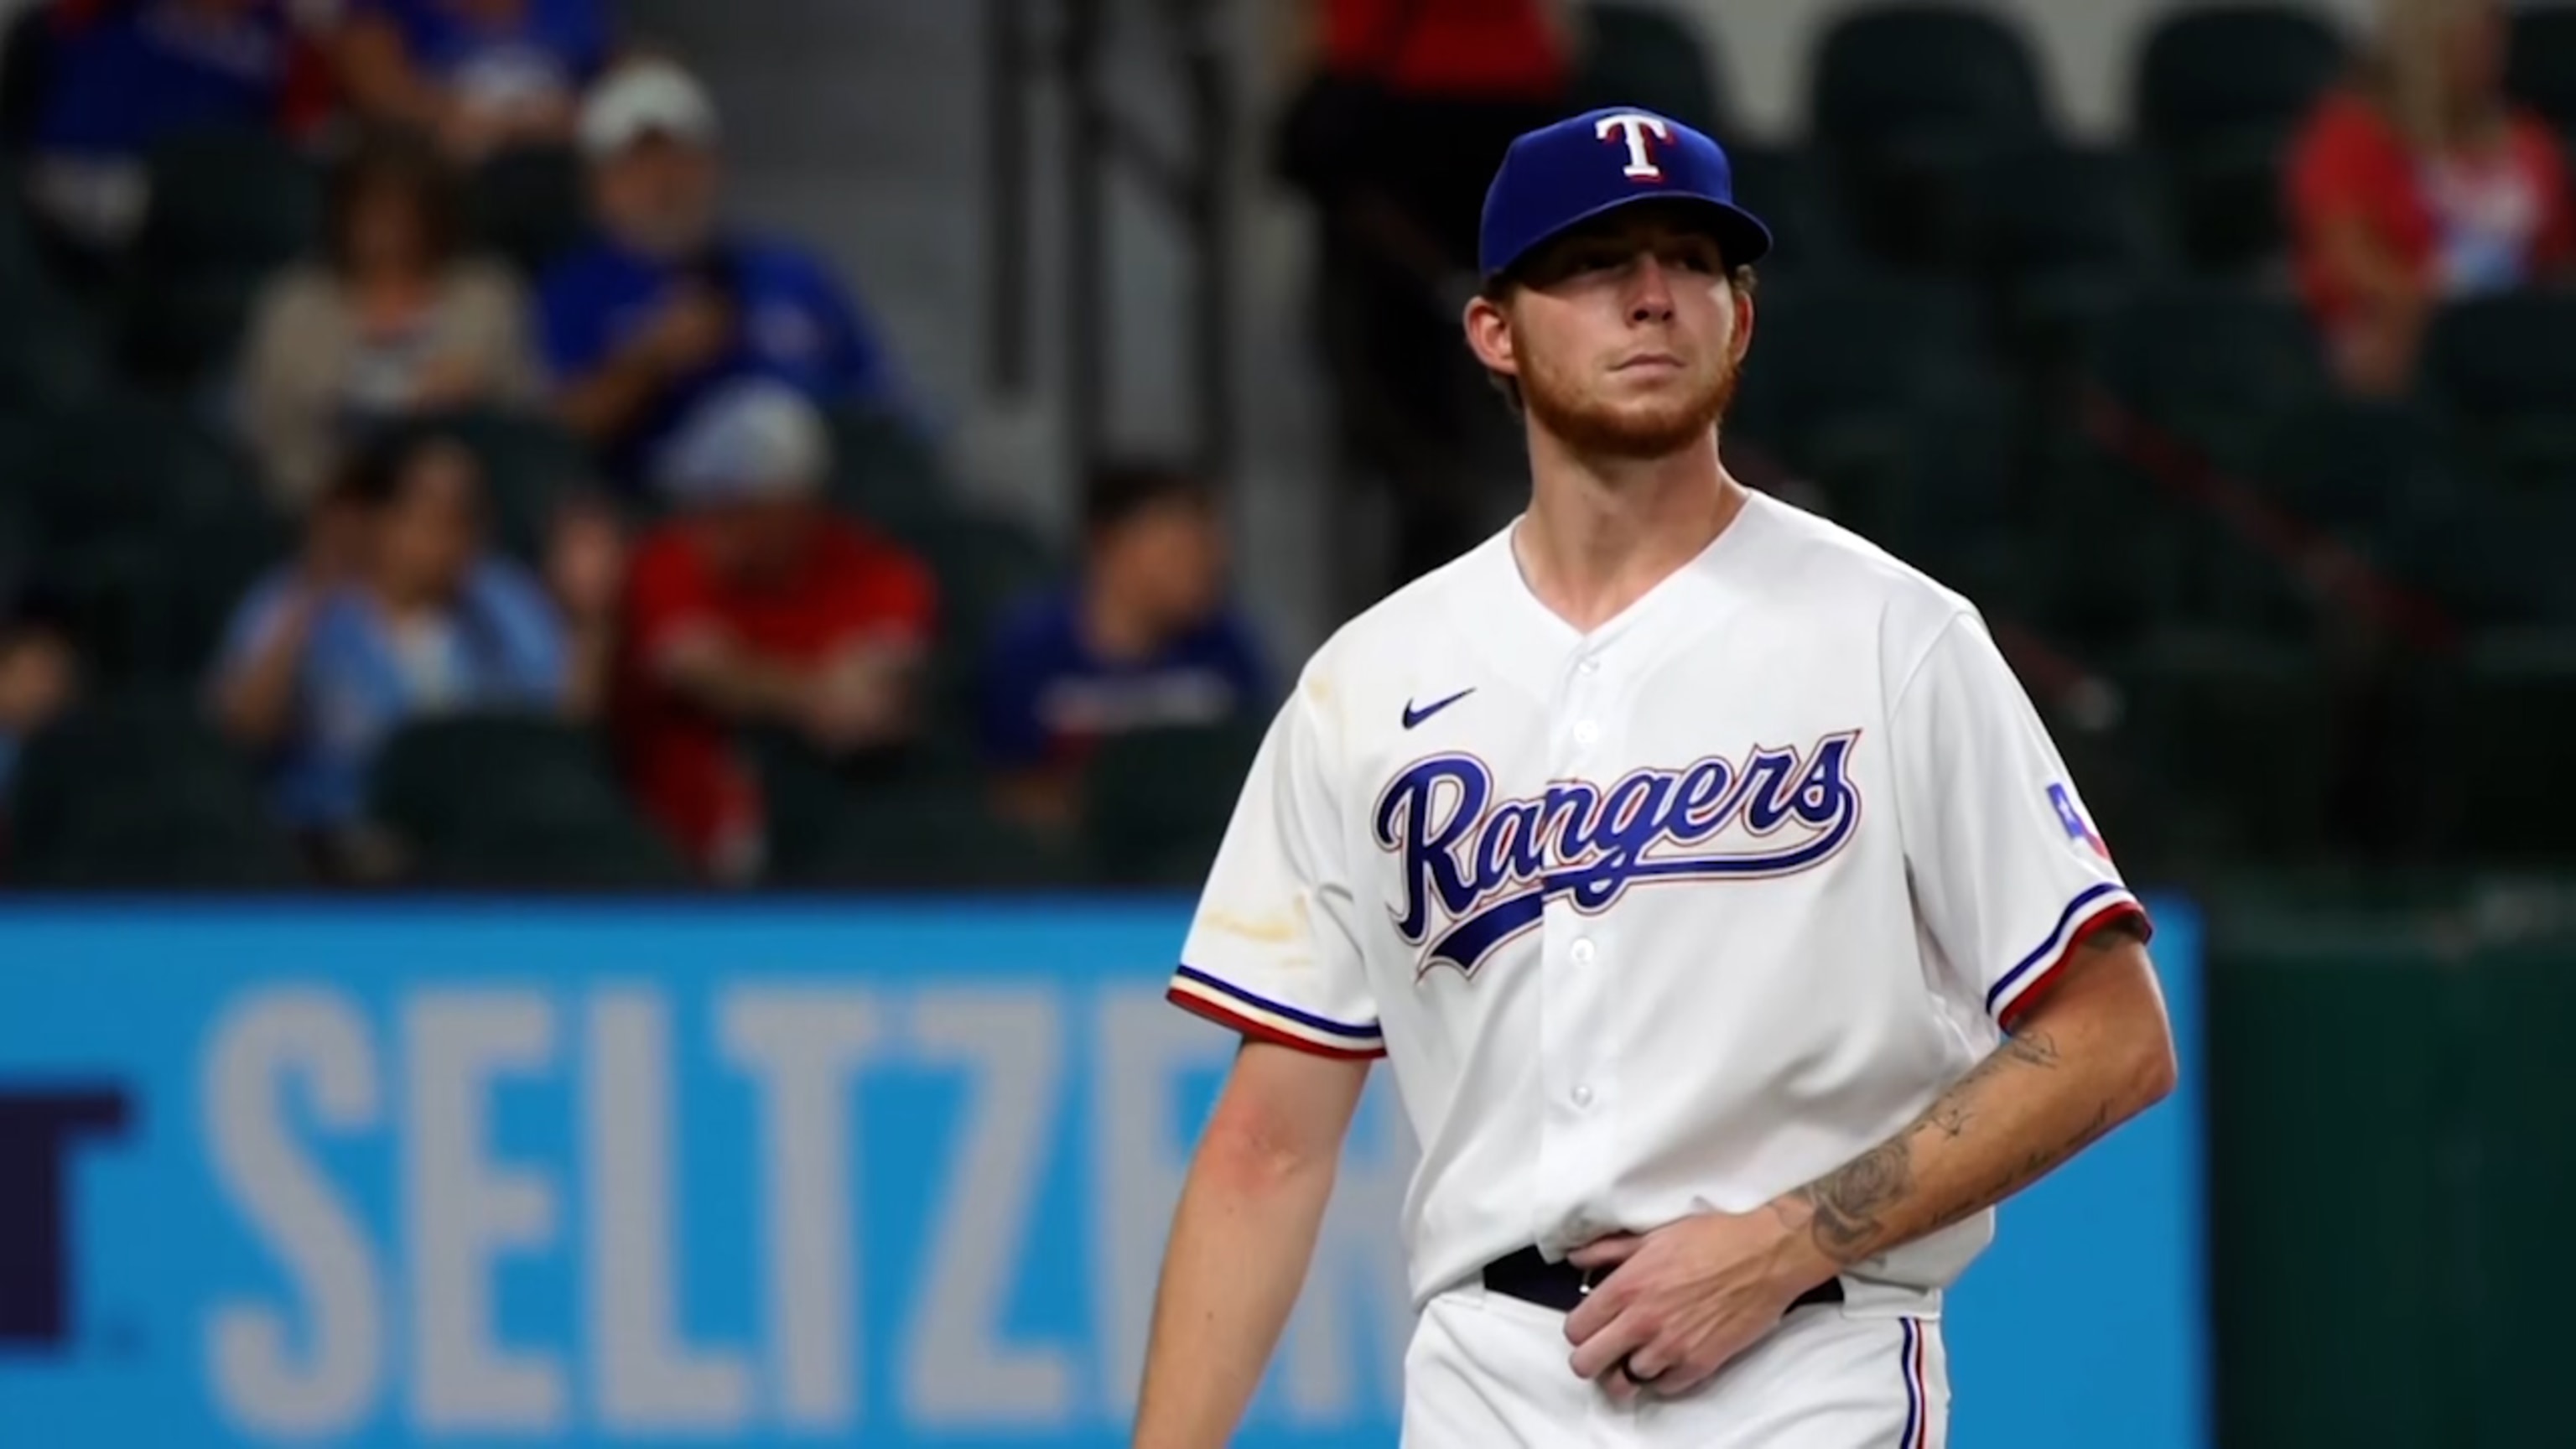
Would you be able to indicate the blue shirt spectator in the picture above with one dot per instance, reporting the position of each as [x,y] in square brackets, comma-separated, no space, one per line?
[669,305]
[506,50]
[791,323]
[1143,639]
[117,76]
[364,673]
[123,73]
[1051,694]
[481,75]
[397,612]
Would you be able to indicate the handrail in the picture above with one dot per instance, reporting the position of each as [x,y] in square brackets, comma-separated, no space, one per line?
[2300,547]
[1192,182]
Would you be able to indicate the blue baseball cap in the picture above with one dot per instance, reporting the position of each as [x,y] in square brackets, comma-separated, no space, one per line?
[1560,176]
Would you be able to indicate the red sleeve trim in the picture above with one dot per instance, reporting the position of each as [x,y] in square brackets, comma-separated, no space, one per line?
[1201,1006]
[2048,976]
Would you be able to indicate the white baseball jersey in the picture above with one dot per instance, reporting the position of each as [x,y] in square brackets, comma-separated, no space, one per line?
[1668,917]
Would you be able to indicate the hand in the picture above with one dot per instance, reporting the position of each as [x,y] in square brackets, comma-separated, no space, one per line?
[38,677]
[861,698]
[446,381]
[469,134]
[692,330]
[586,561]
[1685,1299]
[844,710]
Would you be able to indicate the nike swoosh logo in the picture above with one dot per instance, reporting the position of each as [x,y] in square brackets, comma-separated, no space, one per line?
[1414,716]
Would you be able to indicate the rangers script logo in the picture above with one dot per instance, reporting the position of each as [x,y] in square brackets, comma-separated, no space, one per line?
[1487,867]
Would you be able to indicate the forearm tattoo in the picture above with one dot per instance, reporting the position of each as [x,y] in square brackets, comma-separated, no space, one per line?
[1857,1209]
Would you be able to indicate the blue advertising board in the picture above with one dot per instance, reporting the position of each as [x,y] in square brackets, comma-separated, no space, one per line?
[484,1173]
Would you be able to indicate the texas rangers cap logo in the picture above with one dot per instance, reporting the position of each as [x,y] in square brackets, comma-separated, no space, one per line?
[1640,133]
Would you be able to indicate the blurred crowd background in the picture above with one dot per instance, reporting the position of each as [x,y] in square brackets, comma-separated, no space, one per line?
[548,444]
[416,468]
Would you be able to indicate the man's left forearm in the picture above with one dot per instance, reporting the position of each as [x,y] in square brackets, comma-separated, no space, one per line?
[2091,1054]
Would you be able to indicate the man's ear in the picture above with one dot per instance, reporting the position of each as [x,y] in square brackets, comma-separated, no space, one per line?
[1489,336]
[1744,311]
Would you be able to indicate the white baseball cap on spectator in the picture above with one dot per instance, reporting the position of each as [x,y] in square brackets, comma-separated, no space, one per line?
[645,98]
[750,440]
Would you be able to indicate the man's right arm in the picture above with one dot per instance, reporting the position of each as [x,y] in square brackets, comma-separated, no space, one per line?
[705,665]
[1242,1239]
[601,401]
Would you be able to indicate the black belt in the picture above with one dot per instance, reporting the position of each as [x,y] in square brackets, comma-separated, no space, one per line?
[1532,1279]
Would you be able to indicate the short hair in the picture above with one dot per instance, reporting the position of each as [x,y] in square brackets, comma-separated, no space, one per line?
[373,473]
[393,161]
[1117,492]
[1498,290]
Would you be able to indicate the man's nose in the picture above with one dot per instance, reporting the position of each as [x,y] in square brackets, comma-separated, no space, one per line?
[1650,297]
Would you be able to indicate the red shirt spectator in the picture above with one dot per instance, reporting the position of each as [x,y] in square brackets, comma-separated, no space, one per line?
[1503,48]
[759,606]
[2463,223]
[2420,183]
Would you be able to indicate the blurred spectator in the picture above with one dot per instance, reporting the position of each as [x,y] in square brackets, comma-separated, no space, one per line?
[40,676]
[1144,639]
[670,303]
[481,76]
[756,606]
[398,609]
[2419,182]
[113,77]
[392,321]
[1405,110]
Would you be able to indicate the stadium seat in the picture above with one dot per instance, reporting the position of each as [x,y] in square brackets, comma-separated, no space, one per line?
[917,819]
[147,524]
[2239,725]
[53,354]
[226,209]
[1158,800]
[2211,364]
[134,791]
[2505,357]
[2219,91]
[2540,70]
[2372,471]
[528,206]
[229,200]
[512,799]
[1898,70]
[2505,368]
[886,472]
[1791,192]
[2222,205]
[1877,390]
[2516,714]
[2046,211]
[2211,73]
[1908,102]
[1647,56]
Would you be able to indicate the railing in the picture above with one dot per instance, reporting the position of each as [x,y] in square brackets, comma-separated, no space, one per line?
[1097,140]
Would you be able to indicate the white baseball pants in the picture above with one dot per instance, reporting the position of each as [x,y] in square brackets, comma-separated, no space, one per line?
[1486,1372]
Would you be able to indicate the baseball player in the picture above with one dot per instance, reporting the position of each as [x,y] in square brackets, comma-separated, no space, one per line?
[1734,932]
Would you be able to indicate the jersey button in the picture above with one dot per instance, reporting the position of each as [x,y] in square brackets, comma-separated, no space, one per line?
[1580,952]
[1589,666]
[1583,1096]
[1587,733]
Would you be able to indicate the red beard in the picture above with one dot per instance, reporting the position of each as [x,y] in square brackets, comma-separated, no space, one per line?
[1604,430]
